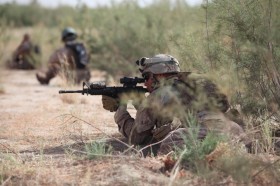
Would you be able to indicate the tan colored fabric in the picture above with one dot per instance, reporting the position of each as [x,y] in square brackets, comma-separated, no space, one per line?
[199,93]
[157,110]
[25,56]
[214,122]
[159,64]
[61,62]
[161,132]
[170,101]
[176,139]
[218,123]
[139,130]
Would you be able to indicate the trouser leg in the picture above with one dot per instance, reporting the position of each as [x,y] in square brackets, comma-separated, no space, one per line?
[179,137]
[82,75]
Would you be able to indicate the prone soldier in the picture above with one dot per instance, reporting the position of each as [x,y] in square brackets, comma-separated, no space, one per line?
[162,116]
[25,56]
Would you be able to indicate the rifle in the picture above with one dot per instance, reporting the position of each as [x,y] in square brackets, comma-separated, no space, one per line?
[99,88]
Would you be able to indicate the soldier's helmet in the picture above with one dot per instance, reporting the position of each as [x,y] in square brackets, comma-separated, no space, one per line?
[158,64]
[68,34]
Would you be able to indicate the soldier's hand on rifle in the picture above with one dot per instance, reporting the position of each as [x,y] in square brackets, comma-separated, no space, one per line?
[110,103]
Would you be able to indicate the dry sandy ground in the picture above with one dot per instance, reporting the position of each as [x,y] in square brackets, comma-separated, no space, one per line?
[41,144]
[43,136]
[32,116]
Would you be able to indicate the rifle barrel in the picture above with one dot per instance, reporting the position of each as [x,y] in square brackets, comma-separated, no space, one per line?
[70,91]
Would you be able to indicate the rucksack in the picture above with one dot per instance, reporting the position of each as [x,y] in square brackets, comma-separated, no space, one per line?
[198,92]
[80,54]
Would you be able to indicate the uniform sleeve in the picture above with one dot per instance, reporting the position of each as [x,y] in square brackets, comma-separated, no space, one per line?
[151,113]
[137,130]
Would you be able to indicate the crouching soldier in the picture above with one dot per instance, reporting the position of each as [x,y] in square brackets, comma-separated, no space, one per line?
[71,61]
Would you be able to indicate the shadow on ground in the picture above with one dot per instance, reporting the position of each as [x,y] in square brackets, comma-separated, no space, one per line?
[117,146]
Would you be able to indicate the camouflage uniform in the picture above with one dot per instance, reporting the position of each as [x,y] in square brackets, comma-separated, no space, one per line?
[25,56]
[65,61]
[167,106]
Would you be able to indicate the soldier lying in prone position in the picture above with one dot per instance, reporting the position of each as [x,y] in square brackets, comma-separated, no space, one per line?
[163,115]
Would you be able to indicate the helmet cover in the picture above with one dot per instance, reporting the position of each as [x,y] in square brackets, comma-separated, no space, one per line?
[158,64]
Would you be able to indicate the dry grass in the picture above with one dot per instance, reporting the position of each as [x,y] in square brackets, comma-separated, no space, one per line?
[69,98]
[60,170]
[2,90]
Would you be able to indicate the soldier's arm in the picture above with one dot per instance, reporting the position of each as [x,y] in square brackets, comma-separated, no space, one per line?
[137,130]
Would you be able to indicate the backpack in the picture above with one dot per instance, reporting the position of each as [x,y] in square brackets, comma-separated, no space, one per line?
[80,54]
[199,93]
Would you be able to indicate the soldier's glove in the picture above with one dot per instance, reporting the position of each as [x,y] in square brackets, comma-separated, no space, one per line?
[162,132]
[110,103]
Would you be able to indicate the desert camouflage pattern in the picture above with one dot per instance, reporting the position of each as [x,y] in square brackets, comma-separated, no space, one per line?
[26,55]
[171,101]
[158,64]
[62,62]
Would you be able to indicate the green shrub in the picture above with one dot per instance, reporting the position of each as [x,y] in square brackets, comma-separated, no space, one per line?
[194,152]
[97,149]
[250,28]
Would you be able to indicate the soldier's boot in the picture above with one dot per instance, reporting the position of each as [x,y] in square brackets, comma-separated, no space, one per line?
[42,78]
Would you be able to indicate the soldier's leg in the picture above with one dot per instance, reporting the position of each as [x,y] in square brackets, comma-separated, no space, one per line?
[218,123]
[26,65]
[82,75]
[45,77]
[234,115]
[177,139]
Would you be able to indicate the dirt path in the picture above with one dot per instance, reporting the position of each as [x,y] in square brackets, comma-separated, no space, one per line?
[31,115]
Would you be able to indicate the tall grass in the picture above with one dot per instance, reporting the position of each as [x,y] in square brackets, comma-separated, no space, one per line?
[244,34]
